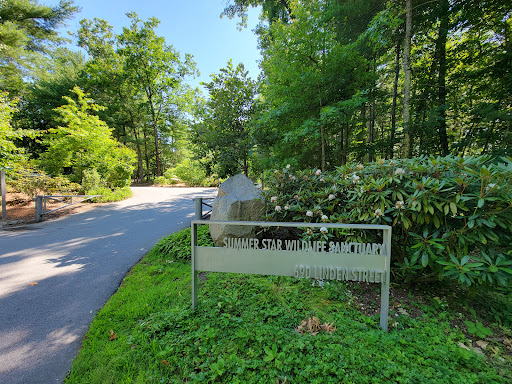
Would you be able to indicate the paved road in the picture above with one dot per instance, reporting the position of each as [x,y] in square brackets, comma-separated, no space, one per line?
[77,262]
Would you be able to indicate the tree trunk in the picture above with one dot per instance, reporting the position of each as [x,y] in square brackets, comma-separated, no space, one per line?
[393,107]
[371,131]
[407,81]
[443,32]
[146,155]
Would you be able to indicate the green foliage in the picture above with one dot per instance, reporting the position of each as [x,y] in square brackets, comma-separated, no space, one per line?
[226,132]
[192,173]
[108,195]
[7,133]
[91,180]
[176,246]
[85,142]
[244,331]
[160,180]
[478,329]
[451,217]
[26,28]
[33,182]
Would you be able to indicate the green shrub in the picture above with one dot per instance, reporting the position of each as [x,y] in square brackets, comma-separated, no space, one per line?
[32,183]
[177,245]
[191,173]
[161,180]
[108,195]
[91,180]
[451,217]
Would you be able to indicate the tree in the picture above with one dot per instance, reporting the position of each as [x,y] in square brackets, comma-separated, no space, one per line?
[84,142]
[26,29]
[226,130]
[155,68]
[7,134]
[407,80]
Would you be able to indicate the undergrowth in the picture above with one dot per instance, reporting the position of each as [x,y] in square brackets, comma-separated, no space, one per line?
[247,329]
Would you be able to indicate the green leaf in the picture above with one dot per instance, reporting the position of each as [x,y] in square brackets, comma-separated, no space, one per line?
[453,208]
[481,203]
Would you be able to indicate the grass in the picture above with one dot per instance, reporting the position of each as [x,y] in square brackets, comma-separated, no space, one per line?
[245,331]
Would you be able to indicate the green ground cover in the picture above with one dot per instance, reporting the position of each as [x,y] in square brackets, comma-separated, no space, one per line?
[257,329]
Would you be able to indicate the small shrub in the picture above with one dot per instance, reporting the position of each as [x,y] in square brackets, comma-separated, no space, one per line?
[177,245]
[108,195]
[191,173]
[451,217]
[35,182]
[91,180]
[161,180]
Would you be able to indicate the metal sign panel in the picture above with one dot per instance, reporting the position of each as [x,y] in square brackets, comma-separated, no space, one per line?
[328,260]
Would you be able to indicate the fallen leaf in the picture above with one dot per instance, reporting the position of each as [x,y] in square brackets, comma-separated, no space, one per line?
[329,328]
[33,283]
[113,335]
[478,350]
[463,346]
[482,344]
[165,362]
[403,311]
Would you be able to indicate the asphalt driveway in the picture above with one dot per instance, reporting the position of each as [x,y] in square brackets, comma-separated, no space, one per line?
[55,276]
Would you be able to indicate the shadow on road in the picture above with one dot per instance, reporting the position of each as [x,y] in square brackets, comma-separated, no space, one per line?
[54,279]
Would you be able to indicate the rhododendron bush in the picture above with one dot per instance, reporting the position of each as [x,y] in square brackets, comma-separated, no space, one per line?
[451,217]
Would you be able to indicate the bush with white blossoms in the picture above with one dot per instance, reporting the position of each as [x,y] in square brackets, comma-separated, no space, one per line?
[451,217]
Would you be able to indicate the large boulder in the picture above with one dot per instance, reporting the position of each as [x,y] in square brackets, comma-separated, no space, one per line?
[237,200]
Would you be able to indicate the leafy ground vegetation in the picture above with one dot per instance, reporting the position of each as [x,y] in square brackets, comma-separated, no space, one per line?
[257,329]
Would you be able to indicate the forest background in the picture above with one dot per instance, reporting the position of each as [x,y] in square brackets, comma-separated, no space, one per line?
[341,81]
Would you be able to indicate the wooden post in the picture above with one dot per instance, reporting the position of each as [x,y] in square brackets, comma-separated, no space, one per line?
[3,189]
[39,208]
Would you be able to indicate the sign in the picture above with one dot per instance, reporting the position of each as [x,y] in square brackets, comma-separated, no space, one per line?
[328,260]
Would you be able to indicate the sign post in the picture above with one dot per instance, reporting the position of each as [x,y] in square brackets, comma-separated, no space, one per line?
[328,260]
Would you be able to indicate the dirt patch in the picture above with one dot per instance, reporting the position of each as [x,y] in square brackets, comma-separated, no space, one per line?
[21,209]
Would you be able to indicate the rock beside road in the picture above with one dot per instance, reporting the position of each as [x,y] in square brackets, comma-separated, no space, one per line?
[237,200]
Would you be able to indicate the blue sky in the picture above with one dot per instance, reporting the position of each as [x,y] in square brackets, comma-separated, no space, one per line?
[191,26]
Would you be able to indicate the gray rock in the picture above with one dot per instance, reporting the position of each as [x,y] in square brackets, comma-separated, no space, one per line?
[237,200]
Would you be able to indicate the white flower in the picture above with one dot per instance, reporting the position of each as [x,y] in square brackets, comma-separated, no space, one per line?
[293,178]
[309,213]
[399,204]
[391,163]
[322,180]
[324,218]
[492,185]
[359,167]
[296,197]
[379,213]
[309,231]
[323,230]
[318,172]
[356,179]
[273,199]
[399,171]
[278,208]
[286,207]
[288,166]
[331,197]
